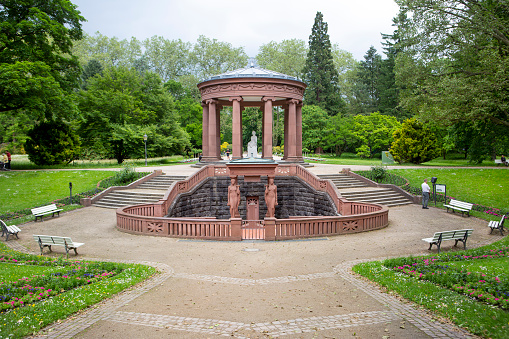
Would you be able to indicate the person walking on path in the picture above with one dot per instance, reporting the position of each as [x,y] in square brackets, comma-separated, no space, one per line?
[8,159]
[425,194]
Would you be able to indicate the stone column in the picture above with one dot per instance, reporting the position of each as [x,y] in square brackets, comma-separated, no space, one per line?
[212,132]
[218,132]
[299,131]
[292,130]
[285,151]
[205,130]
[267,128]
[236,128]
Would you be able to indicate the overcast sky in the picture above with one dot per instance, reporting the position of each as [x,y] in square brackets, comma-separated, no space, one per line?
[353,24]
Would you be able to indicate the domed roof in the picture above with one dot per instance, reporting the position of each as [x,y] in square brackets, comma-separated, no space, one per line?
[252,71]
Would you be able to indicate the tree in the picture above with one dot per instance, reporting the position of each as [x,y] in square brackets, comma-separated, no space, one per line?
[319,71]
[212,57]
[52,143]
[455,60]
[287,57]
[314,123]
[168,58]
[120,106]
[339,135]
[375,133]
[414,142]
[367,84]
[346,66]
[37,68]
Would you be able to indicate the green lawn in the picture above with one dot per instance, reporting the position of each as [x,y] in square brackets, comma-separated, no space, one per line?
[25,189]
[21,162]
[488,187]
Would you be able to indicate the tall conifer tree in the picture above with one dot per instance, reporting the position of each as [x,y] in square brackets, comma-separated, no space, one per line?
[319,72]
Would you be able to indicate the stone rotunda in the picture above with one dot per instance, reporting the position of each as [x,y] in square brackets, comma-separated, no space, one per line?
[252,87]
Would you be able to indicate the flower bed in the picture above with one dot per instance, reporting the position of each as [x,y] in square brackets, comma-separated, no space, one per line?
[491,289]
[72,274]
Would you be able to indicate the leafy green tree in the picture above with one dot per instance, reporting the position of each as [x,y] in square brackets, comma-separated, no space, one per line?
[339,135]
[168,58]
[455,64]
[108,51]
[52,143]
[346,66]
[211,57]
[319,72]
[120,106]
[37,68]
[375,133]
[287,57]
[414,142]
[314,123]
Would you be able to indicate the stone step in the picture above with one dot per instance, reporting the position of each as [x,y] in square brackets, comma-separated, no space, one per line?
[161,182]
[347,186]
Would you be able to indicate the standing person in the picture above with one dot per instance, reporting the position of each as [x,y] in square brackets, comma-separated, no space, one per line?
[228,154]
[8,159]
[425,194]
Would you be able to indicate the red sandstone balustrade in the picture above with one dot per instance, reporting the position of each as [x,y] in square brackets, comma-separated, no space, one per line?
[148,218]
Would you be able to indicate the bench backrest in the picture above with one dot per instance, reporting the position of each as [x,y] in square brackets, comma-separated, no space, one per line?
[44,209]
[50,239]
[461,204]
[456,234]
[501,223]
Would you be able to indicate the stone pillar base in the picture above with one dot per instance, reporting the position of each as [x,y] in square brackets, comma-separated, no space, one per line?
[236,229]
[270,229]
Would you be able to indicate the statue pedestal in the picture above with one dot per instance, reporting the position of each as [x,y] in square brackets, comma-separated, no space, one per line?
[236,229]
[270,229]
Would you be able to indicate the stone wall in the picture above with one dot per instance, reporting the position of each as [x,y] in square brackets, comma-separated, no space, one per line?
[210,198]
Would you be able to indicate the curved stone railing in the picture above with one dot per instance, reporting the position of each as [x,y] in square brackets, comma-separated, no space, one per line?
[355,216]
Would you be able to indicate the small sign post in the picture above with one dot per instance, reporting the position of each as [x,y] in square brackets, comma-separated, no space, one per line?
[70,193]
[441,189]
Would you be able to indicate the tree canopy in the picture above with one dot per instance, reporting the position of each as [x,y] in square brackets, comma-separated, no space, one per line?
[455,59]
[36,64]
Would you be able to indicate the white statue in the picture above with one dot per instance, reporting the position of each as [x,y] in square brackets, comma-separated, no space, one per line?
[252,146]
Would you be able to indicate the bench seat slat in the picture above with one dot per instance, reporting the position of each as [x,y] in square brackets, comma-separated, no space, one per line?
[39,212]
[49,240]
[457,235]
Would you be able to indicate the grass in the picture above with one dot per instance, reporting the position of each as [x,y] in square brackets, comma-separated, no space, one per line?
[21,162]
[452,160]
[488,187]
[19,190]
[29,319]
[473,314]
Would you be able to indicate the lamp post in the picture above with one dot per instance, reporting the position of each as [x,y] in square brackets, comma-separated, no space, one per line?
[145,139]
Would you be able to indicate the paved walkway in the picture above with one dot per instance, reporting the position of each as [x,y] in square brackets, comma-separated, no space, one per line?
[286,289]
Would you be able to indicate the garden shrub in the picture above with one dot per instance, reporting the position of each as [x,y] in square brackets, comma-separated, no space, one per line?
[52,143]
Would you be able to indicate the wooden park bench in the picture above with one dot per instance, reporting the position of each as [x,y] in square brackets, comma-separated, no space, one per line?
[457,235]
[39,212]
[8,230]
[499,162]
[497,225]
[456,205]
[50,240]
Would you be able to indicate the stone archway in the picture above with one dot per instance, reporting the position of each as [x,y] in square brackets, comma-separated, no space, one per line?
[252,87]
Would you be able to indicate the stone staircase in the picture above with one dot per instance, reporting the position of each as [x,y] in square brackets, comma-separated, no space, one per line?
[149,192]
[356,190]
[161,182]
